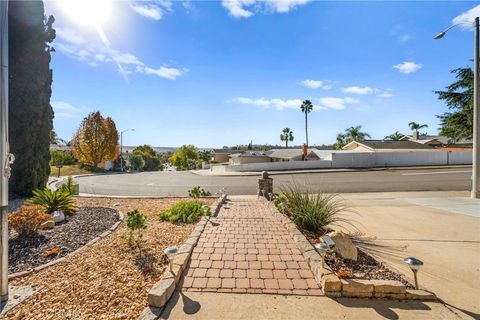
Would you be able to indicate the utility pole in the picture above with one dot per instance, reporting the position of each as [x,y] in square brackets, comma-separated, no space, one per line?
[476,118]
[4,152]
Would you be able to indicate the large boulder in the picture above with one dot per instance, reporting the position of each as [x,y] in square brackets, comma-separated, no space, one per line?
[344,246]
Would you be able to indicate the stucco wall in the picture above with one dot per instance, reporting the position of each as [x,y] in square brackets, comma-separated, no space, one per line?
[361,160]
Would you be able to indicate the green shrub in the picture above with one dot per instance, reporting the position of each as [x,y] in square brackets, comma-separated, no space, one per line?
[61,158]
[312,211]
[186,211]
[136,222]
[136,161]
[53,200]
[197,192]
[92,169]
[70,186]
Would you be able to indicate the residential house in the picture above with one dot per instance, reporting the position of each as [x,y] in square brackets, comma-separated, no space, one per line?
[280,155]
[249,157]
[386,146]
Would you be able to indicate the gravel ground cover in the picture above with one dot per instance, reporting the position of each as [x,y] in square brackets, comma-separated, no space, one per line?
[107,280]
[78,229]
[366,267]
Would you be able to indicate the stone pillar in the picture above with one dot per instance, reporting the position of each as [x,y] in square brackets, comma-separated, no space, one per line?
[265,185]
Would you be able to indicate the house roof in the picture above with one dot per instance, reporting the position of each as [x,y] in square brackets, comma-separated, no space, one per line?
[425,141]
[442,139]
[248,154]
[390,144]
[287,153]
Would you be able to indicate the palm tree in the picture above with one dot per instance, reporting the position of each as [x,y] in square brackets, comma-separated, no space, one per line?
[340,141]
[306,108]
[286,135]
[415,127]
[354,134]
[395,136]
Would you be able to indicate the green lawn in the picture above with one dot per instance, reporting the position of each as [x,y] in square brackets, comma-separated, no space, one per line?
[67,170]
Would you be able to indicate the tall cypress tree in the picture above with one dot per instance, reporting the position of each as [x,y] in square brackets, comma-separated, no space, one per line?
[30,79]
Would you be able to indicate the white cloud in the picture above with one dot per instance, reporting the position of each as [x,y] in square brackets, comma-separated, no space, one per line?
[359,90]
[164,72]
[151,9]
[74,46]
[408,67]
[466,18]
[385,94]
[315,84]
[64,110]
[281,104]
[336,103]
[247,8]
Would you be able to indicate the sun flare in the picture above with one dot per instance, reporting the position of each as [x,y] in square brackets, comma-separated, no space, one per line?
[92,12]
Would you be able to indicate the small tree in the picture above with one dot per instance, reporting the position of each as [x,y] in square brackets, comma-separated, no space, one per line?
[416,127]
[136,161]
[96,140]
[152,161]
[185,157]
[286,135]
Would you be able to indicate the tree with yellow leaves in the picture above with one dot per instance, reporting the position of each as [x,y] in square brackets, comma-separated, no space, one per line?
[96,140]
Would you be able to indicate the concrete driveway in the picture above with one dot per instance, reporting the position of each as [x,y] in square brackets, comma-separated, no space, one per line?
[447,241]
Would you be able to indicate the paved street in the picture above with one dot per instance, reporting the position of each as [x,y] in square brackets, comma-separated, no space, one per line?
[178,183]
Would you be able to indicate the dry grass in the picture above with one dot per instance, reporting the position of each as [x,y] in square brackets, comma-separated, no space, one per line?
[108,280]
[68,170]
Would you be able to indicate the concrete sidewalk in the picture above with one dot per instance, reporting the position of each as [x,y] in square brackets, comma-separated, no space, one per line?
[213,306]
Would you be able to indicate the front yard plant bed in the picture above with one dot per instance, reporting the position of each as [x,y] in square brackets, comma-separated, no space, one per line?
[107,280]
[78,229]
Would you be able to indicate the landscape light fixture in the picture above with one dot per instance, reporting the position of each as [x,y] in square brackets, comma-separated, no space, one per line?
[475,192]
[324,247]
[414,265]
[170,253]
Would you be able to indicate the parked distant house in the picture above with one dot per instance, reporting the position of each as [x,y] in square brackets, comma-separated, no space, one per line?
[249,157]
[385,146]
[437,141]
[279,155]
[59,147]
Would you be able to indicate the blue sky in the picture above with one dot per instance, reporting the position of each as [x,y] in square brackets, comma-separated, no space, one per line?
[214,73]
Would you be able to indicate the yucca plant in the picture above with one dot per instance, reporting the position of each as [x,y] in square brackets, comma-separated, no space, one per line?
[54,200]
[70,186]
[313,211]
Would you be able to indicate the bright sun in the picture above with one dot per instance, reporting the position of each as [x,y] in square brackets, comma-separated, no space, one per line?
[92,12]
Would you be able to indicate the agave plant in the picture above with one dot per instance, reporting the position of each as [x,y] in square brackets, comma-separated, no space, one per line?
[54,200]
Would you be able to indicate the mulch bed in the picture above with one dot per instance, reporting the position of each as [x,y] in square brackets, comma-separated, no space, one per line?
[366,267]
[77,230]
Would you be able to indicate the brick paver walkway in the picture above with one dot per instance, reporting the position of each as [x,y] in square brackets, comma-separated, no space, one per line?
[246,249]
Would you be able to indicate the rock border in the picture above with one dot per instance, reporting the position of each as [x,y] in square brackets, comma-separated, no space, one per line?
[20,274]
[334,287]
[162,290]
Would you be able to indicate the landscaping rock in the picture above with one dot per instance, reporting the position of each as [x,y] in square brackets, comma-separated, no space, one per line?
[420,295]
[47,225]
[388,286]
[161,292]
[331,282]
[58,216]
[344,246]
[354,286]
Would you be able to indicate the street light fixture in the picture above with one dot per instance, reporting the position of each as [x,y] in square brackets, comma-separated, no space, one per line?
[121,147]
[475,193]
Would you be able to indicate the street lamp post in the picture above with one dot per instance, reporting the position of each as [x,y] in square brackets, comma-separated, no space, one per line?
[475,194]
[121,147]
